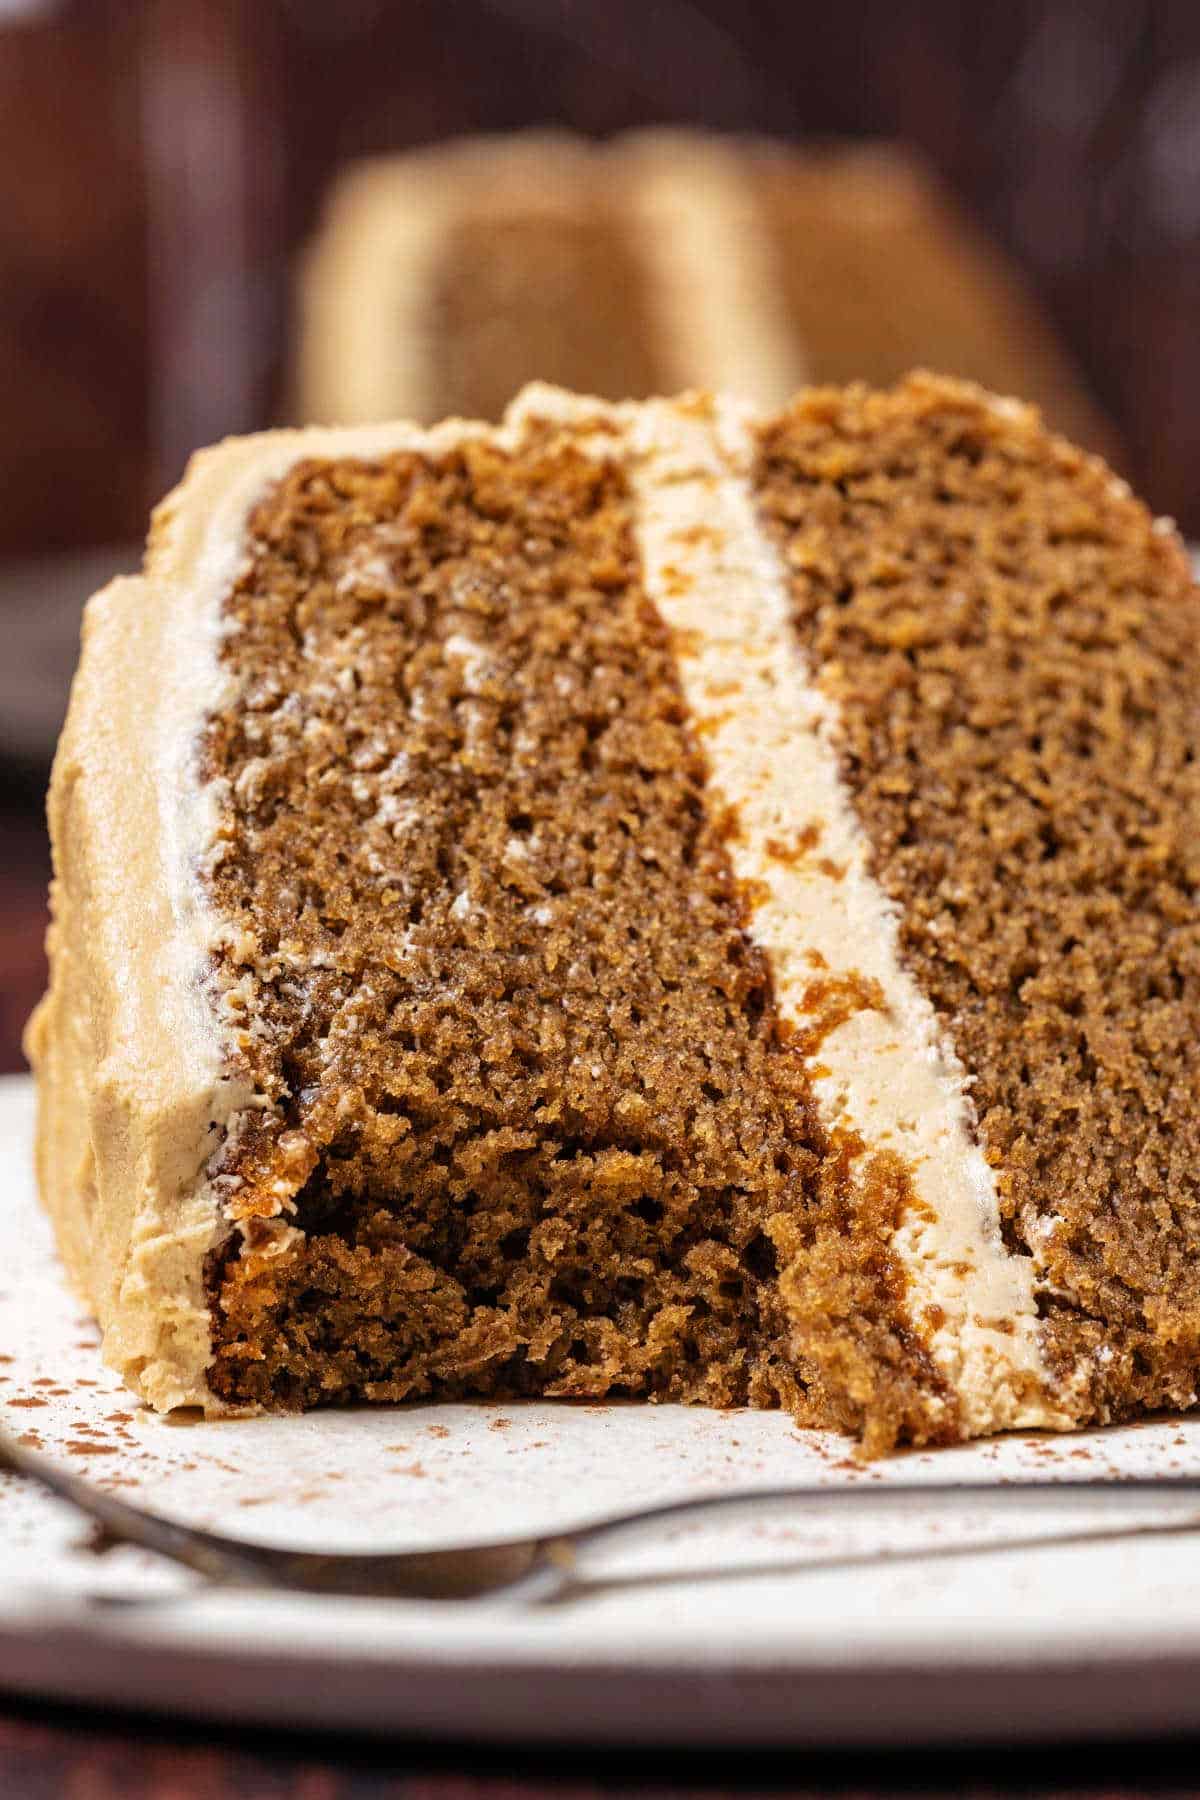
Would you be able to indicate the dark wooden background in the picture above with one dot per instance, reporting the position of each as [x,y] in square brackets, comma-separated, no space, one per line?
[159,164]
[46,1753]
[161,161]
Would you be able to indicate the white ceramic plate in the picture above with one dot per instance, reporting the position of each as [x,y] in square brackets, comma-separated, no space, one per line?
[766,1631]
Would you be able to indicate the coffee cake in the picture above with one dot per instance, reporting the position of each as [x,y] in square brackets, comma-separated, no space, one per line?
[643,900]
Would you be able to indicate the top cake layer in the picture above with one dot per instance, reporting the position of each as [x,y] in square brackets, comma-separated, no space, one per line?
[443,279]
[639,898]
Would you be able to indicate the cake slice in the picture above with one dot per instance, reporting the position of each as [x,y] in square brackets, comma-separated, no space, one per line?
[642,900]
[442,279]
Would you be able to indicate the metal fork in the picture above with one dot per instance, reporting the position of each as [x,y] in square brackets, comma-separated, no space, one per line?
[541,1567]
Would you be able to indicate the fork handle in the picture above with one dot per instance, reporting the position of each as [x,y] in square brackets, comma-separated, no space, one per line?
[1097,1495]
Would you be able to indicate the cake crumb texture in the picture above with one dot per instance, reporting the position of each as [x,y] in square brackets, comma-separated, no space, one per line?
[533,1127]
[1011,642]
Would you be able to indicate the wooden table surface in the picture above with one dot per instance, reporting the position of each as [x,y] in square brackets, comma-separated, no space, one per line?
[24,875]
[53,1751]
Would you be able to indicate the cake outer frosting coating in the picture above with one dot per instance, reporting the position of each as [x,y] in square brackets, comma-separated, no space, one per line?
[132,1061]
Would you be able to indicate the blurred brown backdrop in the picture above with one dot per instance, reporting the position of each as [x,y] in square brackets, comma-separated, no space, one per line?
[161,162]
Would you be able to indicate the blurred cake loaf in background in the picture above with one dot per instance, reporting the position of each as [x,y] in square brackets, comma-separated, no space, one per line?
[443,279]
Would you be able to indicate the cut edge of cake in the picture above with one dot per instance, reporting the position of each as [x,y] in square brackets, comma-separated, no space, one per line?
[135,1093]
[135,1090]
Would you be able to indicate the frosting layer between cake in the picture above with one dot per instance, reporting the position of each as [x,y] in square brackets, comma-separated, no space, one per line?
[882,1072]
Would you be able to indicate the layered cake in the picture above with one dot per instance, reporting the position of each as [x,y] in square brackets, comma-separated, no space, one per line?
[646,900]
[442,280]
